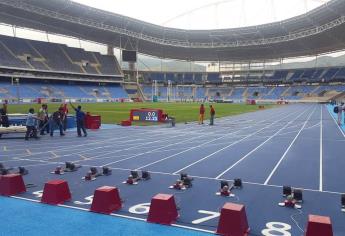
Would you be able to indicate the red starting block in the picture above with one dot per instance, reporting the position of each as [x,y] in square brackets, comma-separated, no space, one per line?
[56,192]
[106,200]
[126,123]
[233,220]
[319,225]
[12,184]
[163,209]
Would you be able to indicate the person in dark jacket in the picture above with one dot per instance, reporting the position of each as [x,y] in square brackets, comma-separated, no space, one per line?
[56,120]
[44,119]
[80,116]
[3,116]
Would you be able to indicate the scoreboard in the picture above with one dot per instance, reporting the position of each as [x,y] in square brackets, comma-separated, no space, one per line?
[146,115]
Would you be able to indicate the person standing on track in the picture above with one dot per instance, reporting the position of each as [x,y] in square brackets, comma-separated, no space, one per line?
[65,113]
[3,116]
[201,114]
[80,115]
[56,120]
[31,125]
[340,113]
[44,119]
[212,114]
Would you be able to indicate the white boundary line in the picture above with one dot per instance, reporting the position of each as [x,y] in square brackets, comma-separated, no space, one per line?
[287,150]
[196,177]
[256,148]
[321,154]
[115,214]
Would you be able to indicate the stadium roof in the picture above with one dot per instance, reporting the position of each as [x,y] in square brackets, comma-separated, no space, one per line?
[319,31]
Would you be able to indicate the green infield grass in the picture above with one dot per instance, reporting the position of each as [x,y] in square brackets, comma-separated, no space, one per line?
[113,113]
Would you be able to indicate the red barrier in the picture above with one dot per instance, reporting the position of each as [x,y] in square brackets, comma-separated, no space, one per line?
[319,225]
[163,209]
[233,220]
[126,123]
[12,184]
[106,200]
[56,192]
[92,121]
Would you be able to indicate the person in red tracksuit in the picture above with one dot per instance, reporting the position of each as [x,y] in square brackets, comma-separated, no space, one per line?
[201,114]
[65,113]
[212,114]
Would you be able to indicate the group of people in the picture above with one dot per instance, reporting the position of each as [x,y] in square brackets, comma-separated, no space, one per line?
[48,123]
[202,114]
[4,122]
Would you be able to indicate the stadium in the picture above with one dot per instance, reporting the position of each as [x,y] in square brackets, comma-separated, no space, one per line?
[180,118]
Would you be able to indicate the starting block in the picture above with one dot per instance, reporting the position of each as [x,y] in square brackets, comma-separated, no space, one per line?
[291,204]
[106,200]
[22,171]
[56,192]
[225,194]
[163,209]
[12,184]
[4,170]
[233,220]
[93,173]
[58,171]
[319,225]
[71,167]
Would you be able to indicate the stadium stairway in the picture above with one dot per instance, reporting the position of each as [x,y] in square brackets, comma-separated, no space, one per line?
[86,92]
[286,92]
[270,92]
[43,59]
[315,89]
[231,91]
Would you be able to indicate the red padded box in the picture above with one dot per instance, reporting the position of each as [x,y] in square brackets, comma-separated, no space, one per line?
[106,199]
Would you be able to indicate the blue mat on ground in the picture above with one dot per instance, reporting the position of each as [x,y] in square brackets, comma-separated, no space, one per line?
[26,218]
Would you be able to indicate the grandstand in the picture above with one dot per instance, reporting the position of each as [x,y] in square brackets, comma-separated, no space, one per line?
[271,65]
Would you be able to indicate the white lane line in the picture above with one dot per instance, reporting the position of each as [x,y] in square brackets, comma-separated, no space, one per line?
[200,145]
[140,154]
[171,174]
[238,141]
[321,154]
[153,150]
[287,150]
[263,143]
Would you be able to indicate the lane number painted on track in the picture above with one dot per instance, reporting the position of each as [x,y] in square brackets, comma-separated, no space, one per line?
[88,201]
[276,229]
[38,194]
[273,228]
[140,209]
[212,215]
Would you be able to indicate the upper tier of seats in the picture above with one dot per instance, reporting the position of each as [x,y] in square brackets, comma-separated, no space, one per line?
[60,91]
[292,75]
[37,55]
[242,93]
